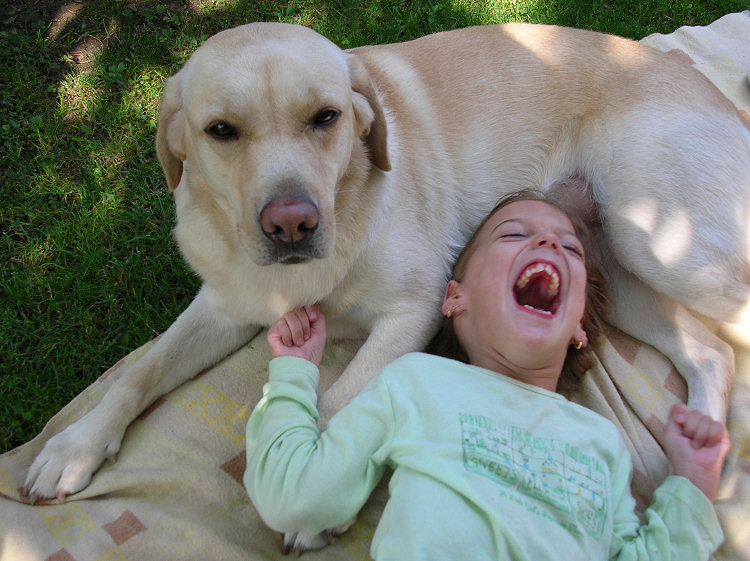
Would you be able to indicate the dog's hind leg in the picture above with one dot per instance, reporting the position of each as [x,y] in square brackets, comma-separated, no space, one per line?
[702,358]
[674,198]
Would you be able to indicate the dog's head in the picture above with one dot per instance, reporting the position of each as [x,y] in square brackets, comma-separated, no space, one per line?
[262,131]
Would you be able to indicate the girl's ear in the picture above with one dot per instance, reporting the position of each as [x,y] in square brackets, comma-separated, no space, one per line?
[453,302]
[580,337]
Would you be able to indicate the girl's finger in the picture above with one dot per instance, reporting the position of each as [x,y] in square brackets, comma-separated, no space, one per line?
[701,432]
[298,326]
[679,413]
[278,329]
[690,426]
[313,312]
[716,433]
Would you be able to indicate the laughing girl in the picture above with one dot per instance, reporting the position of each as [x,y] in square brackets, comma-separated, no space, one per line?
[489,460]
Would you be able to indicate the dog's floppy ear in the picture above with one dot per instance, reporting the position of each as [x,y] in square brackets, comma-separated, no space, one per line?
[170,132]
[369,113]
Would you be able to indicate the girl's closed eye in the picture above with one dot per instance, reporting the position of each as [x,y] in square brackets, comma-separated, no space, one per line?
[574,249]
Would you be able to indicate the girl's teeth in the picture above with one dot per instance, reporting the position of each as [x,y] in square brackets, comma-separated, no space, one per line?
[537,309]
[538,268]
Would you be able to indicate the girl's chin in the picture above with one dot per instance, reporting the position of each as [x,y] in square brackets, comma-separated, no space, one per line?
[537,339]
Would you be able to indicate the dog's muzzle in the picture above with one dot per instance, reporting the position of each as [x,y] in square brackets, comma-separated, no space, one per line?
[290,223]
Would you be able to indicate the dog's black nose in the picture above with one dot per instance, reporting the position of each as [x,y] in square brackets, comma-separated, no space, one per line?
[289,220]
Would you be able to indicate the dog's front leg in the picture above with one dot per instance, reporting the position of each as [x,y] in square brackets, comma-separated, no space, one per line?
[393,335]
[201,336]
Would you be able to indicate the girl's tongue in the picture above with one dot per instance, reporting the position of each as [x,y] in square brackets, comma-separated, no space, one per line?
[538,288]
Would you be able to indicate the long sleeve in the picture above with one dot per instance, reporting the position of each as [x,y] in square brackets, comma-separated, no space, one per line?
[299,479]
[680,524]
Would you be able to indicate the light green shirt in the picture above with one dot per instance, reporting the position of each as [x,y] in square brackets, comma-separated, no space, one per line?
[485,467]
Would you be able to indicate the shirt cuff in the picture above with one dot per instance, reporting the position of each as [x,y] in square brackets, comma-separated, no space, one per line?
[294,378]
[284,366]
[682,491]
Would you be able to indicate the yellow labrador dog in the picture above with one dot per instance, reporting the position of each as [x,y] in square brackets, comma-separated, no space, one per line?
[304,173]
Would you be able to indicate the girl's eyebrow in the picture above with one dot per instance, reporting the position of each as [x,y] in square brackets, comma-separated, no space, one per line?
[522,222]
[505,222]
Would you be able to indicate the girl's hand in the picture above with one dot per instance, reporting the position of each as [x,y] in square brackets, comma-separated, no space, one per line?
[697,445]
[300,333]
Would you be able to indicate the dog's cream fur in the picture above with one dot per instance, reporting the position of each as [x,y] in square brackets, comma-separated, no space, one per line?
[402,149]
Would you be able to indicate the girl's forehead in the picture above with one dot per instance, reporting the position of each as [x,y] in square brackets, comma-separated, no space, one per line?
[530,211]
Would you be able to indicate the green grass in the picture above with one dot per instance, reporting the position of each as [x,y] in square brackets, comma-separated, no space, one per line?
[89,270]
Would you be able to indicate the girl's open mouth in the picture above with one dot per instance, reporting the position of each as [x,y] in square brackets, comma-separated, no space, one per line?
[538,288]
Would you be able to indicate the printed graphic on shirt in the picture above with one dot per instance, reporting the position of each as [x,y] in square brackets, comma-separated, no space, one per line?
[551,471]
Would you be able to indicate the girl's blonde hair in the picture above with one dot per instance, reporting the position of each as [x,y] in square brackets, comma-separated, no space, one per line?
[577,362]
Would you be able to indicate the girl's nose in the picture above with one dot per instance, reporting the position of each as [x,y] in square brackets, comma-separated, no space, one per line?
[549,240]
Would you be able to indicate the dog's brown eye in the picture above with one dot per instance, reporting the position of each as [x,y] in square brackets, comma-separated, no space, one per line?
[222,131]
[326,117]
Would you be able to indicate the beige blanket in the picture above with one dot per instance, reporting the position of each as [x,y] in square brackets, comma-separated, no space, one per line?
[175,491]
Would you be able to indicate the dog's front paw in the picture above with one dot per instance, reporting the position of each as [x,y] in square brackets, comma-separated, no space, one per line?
[68,461]
[300,542]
